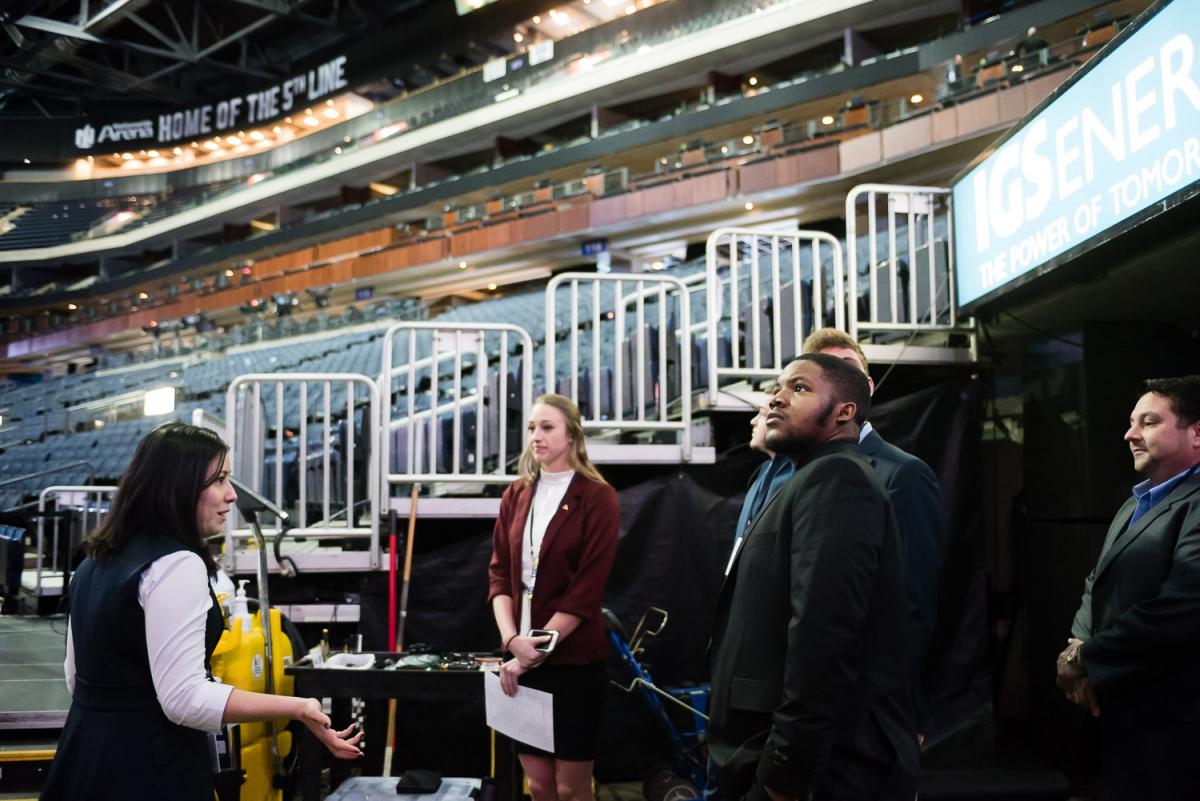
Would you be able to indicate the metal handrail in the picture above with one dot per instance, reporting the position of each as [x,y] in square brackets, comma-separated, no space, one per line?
[411,364]
[638,298]
[913,197]
[797,239]
[254,383]
[41,526]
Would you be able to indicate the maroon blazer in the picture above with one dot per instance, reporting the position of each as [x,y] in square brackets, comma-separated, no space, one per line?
[576,557]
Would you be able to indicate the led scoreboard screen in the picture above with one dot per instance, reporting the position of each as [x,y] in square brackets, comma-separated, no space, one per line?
[1119,139]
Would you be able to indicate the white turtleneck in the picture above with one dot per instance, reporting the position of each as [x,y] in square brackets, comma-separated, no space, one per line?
[551,487]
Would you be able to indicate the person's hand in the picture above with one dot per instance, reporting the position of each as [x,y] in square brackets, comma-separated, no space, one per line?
[1067,668]
[524,648]
[1071,678]
[1080,693]
[510,671]
[339,743]
[777,796]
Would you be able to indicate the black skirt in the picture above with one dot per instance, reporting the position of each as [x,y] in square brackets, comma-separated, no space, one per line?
[578,692]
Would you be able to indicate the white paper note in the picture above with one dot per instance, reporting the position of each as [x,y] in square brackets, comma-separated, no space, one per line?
[528,716]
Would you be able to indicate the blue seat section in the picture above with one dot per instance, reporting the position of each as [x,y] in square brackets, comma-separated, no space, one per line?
[59,421]
[53,223]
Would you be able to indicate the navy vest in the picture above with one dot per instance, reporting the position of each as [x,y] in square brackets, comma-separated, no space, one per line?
[117,743]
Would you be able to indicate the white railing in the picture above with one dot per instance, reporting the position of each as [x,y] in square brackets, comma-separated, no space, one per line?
[909,269]
[473,363]
[78,510]
[767,290]
[259,432]
[638,360]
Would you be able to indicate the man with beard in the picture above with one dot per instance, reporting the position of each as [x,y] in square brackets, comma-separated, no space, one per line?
[811,670]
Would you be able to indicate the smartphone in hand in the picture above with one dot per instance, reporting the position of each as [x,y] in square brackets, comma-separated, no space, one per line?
[547,646]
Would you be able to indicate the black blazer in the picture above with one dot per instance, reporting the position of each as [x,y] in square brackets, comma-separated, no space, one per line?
[1140,622]
[811,670]
[916,499]
[1140,612]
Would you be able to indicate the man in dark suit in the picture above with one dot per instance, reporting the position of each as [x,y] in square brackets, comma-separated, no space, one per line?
[917,501]
[1136,637]
[811,672]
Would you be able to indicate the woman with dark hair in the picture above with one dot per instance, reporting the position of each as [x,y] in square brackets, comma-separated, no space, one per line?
[553,548]
[143,625]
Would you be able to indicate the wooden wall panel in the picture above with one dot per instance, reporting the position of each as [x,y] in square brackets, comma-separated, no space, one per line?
[489,237]
[1012,103]
[575,218]
[809,165]
[608,210]
[1039,89]
[341,272]
[374,264]
[859,152]
[945,125]
[707,188]
[664,197]
[978,114]
[539,226]
[905,137]
[761,175]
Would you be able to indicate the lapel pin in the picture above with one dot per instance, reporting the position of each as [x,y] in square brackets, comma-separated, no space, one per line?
[566,508]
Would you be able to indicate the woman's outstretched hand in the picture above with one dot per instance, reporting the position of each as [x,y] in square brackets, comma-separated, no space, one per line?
[339,743]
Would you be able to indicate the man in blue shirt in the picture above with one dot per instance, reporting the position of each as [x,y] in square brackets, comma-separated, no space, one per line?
[1135,640]
[766,481]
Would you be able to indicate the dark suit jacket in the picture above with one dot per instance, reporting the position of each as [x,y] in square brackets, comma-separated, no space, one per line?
[1140,622]
[576,557]
[811,671]
[917,501]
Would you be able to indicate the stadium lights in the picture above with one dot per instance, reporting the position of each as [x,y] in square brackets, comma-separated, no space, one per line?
[159,401]
[747,139]
[916,98]
[827,120]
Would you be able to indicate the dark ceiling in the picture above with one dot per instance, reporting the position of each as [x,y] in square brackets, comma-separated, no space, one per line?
[71,58]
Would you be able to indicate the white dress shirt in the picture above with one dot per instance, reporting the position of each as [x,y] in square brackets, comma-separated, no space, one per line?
[551,488]
[173,593]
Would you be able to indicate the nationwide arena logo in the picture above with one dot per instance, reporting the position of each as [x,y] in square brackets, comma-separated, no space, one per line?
[85,137]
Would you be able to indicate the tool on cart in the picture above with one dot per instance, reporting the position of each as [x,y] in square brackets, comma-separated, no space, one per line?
[687,737]
[396,633]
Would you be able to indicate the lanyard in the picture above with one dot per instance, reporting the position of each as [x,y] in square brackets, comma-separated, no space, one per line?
[534,553]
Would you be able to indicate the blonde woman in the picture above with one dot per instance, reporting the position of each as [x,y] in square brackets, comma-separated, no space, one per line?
[553,548]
